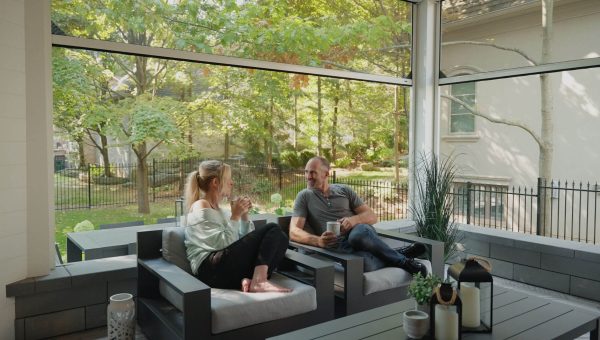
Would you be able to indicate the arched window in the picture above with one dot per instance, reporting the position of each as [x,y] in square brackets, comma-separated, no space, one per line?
[461,120]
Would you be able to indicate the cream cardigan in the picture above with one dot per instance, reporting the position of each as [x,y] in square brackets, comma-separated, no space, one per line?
[208,230]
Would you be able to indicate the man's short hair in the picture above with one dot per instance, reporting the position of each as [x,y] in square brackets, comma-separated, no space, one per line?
[324,162]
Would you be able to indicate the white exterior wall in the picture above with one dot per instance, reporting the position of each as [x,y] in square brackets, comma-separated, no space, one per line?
[501,154]
[13,186]
[26,230]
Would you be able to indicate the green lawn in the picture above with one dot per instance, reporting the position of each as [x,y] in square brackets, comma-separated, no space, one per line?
[67,219]
[383,174]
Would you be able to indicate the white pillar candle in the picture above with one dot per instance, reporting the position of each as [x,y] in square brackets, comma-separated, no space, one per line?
[446,322]
[469,295]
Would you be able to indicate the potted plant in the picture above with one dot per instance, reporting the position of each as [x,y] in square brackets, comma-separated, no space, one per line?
[432,208]
[421,288]
[416,322]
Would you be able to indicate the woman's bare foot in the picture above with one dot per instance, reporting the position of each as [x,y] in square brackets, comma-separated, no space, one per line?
[246,285]
[266,286]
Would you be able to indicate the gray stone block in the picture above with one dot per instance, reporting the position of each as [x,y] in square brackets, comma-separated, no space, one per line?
[545,249]
[58,278]
[19,288]
[515,255]
[122,286]
[571,266]
[95,316]
[477,247]
[542,278]
[53,324]
[54,301]
[585,288]
[588,256]
[108,269]
[502,268]
[501,240]
[19,329]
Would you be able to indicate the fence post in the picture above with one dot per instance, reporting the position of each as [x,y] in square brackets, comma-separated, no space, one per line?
[333,177]
[539,207]
[468,202]
[153,180]
[89,186]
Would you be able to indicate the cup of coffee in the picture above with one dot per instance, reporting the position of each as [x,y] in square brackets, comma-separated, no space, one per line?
[334,227]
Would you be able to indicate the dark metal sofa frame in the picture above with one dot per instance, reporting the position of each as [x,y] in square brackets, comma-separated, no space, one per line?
[159,319]
[352,299]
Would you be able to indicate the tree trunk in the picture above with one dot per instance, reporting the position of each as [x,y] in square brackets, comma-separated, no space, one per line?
[295,121]
[334,123]
[226,145]
[142,179]
[396,134]
[319,119]
[81,150]
[104,152]
[269,138]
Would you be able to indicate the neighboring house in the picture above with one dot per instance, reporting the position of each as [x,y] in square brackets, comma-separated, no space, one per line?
[505,156]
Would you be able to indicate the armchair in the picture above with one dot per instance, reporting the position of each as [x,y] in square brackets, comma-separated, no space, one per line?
[174,304]
[355,290]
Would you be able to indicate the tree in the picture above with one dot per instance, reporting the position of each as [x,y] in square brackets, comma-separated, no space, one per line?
[545,137]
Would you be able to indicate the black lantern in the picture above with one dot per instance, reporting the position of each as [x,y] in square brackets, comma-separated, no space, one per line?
[476,290]
[445,311]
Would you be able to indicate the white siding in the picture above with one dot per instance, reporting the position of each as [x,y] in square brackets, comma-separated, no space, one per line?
[13,190]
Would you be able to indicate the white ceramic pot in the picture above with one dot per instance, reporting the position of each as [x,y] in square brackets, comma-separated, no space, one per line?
[120,317]
[416,323]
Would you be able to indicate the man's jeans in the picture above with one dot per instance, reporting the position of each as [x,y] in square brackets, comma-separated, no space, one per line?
[364,241]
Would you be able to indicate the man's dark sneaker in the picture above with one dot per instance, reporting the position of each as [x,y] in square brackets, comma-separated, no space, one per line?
[413,267]
[414,250]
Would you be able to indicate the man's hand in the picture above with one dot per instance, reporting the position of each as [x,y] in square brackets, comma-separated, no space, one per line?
[346,224]
[327,240]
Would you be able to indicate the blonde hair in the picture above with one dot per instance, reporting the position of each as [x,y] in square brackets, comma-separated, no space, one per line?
[198,182]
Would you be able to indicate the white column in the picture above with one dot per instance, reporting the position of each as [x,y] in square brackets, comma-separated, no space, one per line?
[424,114]
[40,167]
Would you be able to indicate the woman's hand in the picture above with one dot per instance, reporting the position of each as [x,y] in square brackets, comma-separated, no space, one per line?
[240,208]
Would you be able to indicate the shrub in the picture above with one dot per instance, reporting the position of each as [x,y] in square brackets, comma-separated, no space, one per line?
[369,167]
[343,162]
[305,155]
[291,159]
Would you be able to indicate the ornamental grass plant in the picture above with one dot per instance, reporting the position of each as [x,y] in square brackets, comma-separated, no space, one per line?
[432,210]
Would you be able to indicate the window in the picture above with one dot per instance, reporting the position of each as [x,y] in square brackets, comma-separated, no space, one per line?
[461,120]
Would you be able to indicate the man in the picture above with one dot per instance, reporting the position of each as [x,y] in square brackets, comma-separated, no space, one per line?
[321,202]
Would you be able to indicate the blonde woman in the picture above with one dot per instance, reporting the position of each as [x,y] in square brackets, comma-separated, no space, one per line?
[223,249]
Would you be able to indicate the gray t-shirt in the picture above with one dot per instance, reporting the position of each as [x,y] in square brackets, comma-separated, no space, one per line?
[318,210]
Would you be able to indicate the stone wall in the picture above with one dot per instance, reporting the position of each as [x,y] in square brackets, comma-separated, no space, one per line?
[72,298]
[564,266]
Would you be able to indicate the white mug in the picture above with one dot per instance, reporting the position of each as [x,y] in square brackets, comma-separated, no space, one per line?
[334,227]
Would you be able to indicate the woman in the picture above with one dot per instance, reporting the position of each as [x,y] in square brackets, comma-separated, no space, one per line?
[221,252]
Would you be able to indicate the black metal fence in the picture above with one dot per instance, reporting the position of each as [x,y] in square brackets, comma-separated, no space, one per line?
[77,188]
[568,210]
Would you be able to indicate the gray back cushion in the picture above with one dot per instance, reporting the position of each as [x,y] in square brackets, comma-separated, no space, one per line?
[173,248]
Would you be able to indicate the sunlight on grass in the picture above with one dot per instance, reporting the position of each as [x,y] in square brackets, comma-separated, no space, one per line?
[67,219]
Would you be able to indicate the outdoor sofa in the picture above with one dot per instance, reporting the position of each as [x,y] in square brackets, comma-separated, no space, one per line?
[356,290]
[173,304]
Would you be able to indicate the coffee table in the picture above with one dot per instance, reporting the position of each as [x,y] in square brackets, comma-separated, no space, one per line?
[517,315]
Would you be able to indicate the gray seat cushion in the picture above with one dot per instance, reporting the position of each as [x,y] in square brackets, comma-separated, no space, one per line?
[173,248]
[232,309]
[378,280]
[387,278]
